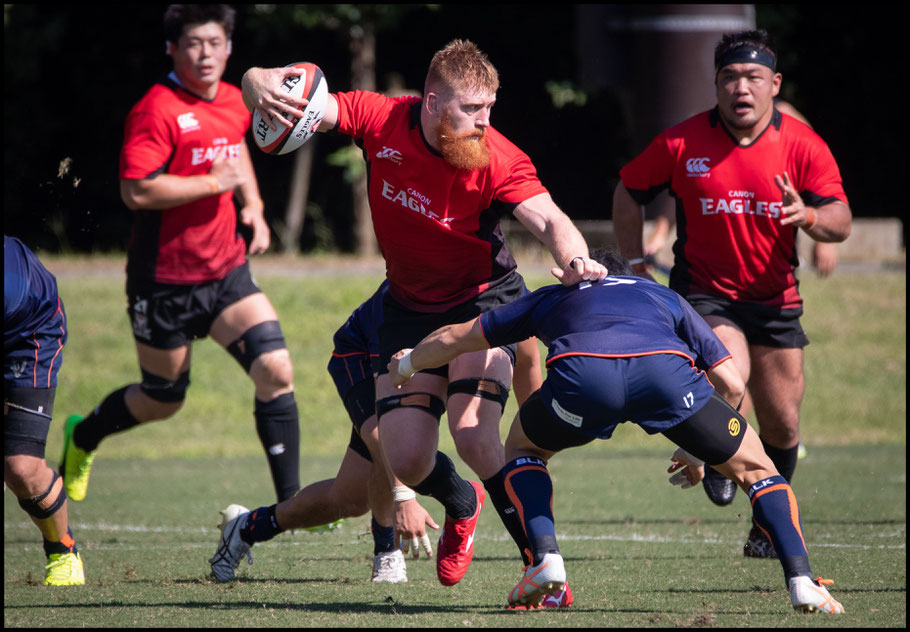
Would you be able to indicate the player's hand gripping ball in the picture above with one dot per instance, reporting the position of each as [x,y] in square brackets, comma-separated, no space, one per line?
[310,85]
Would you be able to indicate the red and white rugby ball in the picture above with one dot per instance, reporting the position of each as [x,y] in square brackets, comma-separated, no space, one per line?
[310,85]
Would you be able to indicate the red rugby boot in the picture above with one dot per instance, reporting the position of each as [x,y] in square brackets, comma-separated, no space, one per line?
[456,544]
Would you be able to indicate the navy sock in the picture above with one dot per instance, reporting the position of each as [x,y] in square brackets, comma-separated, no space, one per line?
[261,525]
[383,537]
[445,485]
[528,485]
[109,417]
[279,431]
[775,511]
[496,491]
[66,545]
[784,459]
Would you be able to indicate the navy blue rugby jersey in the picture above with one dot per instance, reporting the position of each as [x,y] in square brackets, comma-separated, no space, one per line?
[29,293]
[620,316]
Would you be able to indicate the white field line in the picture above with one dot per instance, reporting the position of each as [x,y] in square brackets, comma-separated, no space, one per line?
[81,528]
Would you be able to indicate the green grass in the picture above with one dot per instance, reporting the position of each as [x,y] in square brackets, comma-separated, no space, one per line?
[640,553]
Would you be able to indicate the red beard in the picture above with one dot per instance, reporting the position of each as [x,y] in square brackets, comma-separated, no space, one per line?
[463,151]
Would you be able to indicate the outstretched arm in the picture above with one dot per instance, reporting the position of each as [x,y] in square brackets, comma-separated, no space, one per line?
[437,349]
[262,91]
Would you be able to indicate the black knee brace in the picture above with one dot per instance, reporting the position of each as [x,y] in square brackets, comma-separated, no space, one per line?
[481,387]
[426,402]
[165,391]
[41,506]
[255,341]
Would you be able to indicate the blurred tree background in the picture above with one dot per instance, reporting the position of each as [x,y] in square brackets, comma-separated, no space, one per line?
[581,87]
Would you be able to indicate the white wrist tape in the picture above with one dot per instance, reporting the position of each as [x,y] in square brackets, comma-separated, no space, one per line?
[692,460]
[404,366]
[402,493]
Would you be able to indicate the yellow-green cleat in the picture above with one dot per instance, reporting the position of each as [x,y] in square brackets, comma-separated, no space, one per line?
[76,463]
[64,569]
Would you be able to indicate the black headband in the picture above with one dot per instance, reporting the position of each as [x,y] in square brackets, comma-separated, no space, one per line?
[748,55]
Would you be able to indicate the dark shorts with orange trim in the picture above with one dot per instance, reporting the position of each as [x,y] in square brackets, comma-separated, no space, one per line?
[353,378]
[587,397]
[167,316]
[764,325]
[34,360]
[402,328]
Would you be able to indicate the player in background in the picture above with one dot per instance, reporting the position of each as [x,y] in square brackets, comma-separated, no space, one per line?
[34,334]
[440,179]
[746,179]
[361,481]
[623,349]
[183,162]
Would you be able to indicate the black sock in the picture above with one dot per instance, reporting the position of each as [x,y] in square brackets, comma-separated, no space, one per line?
[445,485]
[784,459]
[279,431]
[261,525]
[383,537]
[66,545]
[506,510]
[109,417]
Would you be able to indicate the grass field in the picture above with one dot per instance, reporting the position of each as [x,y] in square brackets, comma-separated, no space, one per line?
[640,553]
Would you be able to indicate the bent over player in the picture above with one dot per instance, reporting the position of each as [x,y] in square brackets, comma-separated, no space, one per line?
[34,333]
[746,179]
[184,159]
[623,349]
[440,179]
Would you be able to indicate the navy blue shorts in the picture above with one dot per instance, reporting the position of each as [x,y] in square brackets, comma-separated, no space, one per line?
[589,396]
[167,316]
[34,360]
[353,378]
[761,324]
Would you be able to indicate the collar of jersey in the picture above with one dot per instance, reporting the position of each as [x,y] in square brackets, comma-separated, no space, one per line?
[415,122]
[715,120]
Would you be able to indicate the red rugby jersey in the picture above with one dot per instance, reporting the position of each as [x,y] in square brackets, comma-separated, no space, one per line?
[437,226]
[173,131]
[730,241]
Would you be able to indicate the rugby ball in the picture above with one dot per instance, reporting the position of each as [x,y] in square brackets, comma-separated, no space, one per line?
[310,85]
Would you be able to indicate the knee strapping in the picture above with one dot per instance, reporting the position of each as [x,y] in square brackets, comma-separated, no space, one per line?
[163,390]
[481,387]
[426,402]
[255,341]
[43,506]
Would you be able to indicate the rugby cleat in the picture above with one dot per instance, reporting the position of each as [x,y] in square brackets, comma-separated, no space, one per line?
[719,488]
[76,463]
[560,599]
[546,578]
[758,545]
[801,451]
[231,547]
[808,595]
[455,549]
[389,567]
[64,569]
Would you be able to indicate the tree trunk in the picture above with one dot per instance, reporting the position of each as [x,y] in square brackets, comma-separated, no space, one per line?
[294,214]
[363,77]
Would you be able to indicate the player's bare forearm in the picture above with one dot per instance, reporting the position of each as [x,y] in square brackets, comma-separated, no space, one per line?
[166,191]
[832,223]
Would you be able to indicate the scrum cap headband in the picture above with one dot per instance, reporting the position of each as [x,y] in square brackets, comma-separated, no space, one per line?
[748,55]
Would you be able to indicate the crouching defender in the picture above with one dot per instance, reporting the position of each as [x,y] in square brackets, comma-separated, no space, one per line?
[34,333]
[620,349]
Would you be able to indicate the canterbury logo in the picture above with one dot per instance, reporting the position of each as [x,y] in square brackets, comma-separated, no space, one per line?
[698,167]
[733,426]
[391,154]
